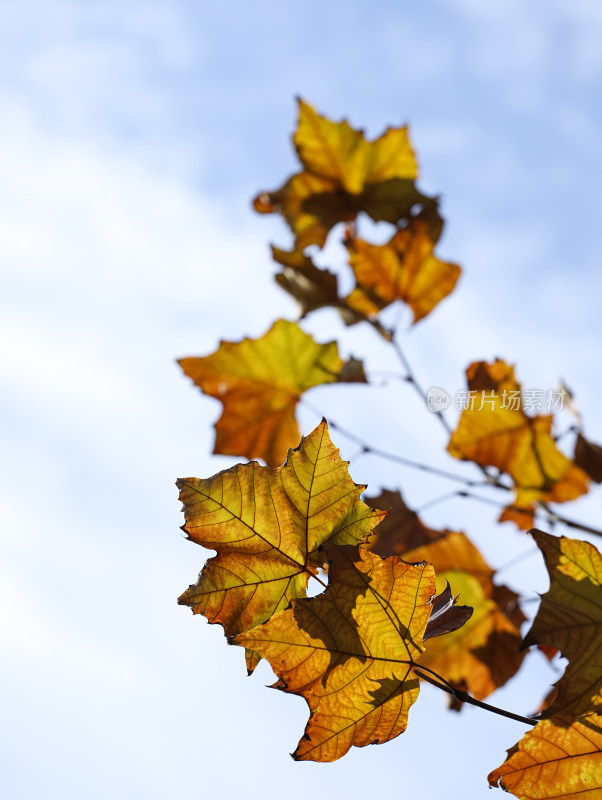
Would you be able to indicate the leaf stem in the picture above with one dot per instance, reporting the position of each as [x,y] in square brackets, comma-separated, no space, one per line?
[464,697]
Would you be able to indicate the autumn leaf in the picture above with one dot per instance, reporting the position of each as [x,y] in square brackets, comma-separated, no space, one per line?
[349,651]
[268,527]
[555,762]
[562,756]
[343,175]
[495,431]
[260,381]
[484,653]
[570,619]
[588,456]
[404,268]
[336,151]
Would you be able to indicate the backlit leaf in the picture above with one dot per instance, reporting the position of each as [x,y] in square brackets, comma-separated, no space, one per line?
[404,268]
[343,175]
[335,150]
[349,652]
[555,761]
[496,432]
[562,756]
[484,653]
[260,381]
[570,619]
[268,527]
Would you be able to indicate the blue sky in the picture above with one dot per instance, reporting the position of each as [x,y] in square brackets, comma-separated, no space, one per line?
[133,136]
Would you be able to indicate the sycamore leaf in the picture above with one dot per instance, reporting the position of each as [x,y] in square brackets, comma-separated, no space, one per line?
[344,175]
[570,619]
[555,761]
[495,431]
[260,381]
[335,150]
[588,456]
[484,654]
[562,756]
[349,651]
[268,527]
[402,269]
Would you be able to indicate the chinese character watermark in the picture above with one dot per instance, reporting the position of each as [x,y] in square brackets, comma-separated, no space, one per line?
[531,399]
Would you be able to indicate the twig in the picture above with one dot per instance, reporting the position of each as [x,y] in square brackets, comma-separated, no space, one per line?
[464,697]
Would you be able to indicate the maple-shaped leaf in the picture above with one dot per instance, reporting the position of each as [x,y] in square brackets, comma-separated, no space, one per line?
[349,651]
[484,653]
[260,381]
[343,175]
[495,431]
[570,620]
[555,761]
[268,527]
[404,268]
[335,150]
[588,456]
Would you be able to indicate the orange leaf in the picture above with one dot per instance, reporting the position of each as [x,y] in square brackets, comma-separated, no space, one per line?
[403,269]
[343,175]
[268,527]
[349,651]
[570,619]
[497,432]
[555,761]
[260,381]
[484,653]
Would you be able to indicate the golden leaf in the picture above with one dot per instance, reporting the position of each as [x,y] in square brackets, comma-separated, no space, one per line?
[260,381]
[268,526]
[484,653]
[349,651]
[555,761]
[496,432]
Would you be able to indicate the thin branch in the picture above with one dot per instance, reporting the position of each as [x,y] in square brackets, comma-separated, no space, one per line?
[411,379]
[464,697]
[407,462]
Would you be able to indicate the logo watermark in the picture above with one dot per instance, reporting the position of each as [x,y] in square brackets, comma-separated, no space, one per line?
[543,400]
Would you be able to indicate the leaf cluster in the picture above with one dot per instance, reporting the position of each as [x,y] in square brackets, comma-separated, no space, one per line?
[389,614]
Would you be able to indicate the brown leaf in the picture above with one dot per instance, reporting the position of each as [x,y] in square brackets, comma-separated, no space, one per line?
[446,616]
[588,456]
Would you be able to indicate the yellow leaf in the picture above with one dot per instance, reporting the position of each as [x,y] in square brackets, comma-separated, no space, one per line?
[555,761]
[484,653]
[497,432]
[349,652]
[336,151]
[268,527]
[260,381]
[344,175]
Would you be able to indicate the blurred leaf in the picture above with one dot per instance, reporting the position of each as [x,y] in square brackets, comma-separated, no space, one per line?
[260,381]
[496,432]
